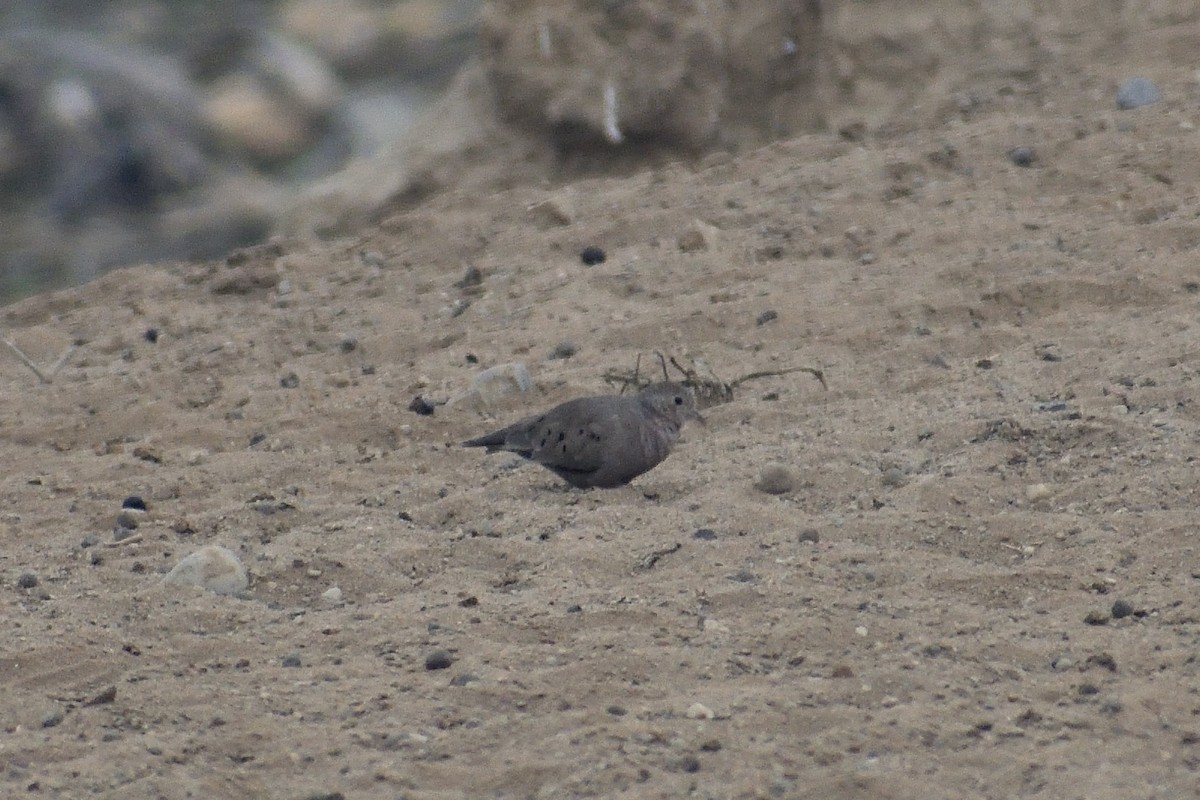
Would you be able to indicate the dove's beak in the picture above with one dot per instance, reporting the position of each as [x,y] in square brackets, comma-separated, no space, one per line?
[695,416]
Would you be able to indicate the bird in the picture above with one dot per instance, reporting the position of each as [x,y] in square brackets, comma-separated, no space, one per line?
[601,441]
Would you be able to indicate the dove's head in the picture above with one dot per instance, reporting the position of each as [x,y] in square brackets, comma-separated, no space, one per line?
[671,400]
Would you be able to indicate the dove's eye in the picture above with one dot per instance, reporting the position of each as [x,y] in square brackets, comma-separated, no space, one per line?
[678,400]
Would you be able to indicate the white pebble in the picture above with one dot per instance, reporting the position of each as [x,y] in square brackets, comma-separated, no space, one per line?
[699,711]
[212,567]
[1037,492]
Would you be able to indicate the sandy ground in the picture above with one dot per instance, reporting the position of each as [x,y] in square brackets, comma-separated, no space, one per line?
[1005,455]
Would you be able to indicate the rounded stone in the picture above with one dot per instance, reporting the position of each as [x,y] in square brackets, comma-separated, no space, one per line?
[775,479]
[438,659]
[212,567]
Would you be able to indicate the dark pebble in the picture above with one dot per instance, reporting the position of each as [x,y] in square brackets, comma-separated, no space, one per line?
[91,540]
[711,746]
[471,358]
[810,536]
[1086,689]
[290,381]
[592,255]
[1121,609]
[689,764]
[348,345]
[705,534]
[564,349]
[1022,156]
[1103,660]
[1096,618]
[290,660]
[27,580]
[421,406]
[52,717]
[134,502]
[325,796]
[151,335]
[574,608]
[471,277]
[1137,92]
[438,659]
[257,438]
[469,602]
[765,317]
[616,711]
[105,696]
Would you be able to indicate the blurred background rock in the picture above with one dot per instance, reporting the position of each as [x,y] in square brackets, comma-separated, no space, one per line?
[135,130]
[147,130]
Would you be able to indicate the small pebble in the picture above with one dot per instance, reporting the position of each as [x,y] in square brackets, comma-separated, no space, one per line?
[1096,618]
[592,255]
[103,697]
[151,335]
[699,711]
[471,277]
[91,540]
[438,659]
[27,580]
[1137,92]
[52,717]
[1104,660]
[134,502]
[421,406]
[574,608]
[1061,664]
[128,520]
[1037,492]
[462,679]
[258,438]
[1121,609]
[766,316]
[496,382]
[811,536]
[689,764]
[553,212]
[616,711]
[332,596]
[212,567]
[348,345]
[564,349]
[291,659]
[698,237]
[704,534]
[775,479]
[290,381]
[1022,156]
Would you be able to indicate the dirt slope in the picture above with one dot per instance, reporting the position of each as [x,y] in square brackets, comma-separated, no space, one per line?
[1006,448]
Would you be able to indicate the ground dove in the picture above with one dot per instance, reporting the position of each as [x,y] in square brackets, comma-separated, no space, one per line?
[602,441]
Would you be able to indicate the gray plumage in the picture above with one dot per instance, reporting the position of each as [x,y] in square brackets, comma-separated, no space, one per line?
[601,441]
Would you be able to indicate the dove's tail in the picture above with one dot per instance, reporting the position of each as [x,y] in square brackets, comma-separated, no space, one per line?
[492,441]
